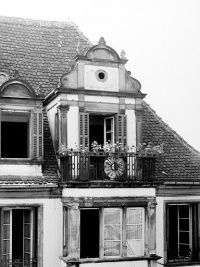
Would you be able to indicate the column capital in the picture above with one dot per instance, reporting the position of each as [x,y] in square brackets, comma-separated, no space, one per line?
[63,109]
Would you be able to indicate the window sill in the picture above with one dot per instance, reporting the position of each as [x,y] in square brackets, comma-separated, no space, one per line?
[19,161]
[185,263]
[139,258]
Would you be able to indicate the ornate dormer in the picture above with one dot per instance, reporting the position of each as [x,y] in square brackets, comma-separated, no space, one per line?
[21,131]
[102,69]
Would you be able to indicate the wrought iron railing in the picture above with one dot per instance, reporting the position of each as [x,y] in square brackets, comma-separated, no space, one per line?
[183,255]
[120,167]
[19,263]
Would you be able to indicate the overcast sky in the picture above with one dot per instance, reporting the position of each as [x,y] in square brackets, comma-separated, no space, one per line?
[161,39]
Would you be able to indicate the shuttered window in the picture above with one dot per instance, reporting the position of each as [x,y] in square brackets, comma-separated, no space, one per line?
[102,129]
[18,239]
[21,134]
[115,232]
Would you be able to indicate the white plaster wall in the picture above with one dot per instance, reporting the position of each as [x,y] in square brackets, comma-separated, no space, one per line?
[51,119]
[102,99]
[52,227]
[117,264]
[22,169]
[72,126]
[131,128]
[111,84]
[108,192]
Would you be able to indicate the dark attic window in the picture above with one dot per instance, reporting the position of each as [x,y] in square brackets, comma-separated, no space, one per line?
[14,136]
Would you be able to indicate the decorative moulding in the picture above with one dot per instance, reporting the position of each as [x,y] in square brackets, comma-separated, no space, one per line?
[4,77]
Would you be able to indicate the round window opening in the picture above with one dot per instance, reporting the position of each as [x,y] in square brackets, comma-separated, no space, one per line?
[101,75]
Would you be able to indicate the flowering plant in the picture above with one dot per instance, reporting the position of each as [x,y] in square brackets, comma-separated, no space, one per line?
[64,151]
[149,149]
[142,150]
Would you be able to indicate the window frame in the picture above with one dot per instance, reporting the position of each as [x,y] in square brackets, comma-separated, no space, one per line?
[111,131]
[33,227]
[18,115]
[194,235]
[123,245]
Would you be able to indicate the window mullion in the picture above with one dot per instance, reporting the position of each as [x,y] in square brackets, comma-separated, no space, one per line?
[124,246]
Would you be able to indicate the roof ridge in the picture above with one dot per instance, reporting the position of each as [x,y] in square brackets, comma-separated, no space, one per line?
[168,128]
[80,32]
[35,22]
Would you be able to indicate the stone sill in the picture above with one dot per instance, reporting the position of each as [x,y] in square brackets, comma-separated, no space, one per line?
[114,259]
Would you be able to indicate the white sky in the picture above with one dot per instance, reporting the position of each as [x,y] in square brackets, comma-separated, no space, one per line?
[161,39]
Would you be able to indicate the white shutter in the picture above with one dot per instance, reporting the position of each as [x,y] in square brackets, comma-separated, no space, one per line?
[38,135]
[112,232]
[6,231]
[84,129]
[120,129]
[135,231]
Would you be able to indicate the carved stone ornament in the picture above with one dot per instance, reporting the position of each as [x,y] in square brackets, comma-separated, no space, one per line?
[131,83]
[4,77]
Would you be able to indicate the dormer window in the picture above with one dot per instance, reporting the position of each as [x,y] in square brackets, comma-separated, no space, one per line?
[21,131]
[102,128]
[15,134]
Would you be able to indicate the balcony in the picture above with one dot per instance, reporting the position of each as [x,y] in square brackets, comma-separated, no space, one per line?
[19,263]
[118,167]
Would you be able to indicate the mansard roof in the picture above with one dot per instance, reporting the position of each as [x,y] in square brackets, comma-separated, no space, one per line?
[180,161]
[39,52]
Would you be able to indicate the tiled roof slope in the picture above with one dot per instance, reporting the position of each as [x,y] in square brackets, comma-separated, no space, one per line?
[50,166]
[180,161]
[41,51]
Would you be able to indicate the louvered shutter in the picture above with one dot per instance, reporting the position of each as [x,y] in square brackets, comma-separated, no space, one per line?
[112,224]
[38,135]
[135,232]
[120,129]
[84,129]
[6,234]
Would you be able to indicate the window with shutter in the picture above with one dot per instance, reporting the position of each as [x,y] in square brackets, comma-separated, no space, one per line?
[113,232]
[15,134]
[19,238]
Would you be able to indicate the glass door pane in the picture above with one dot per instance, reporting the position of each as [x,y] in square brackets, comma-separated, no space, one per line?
[112,232]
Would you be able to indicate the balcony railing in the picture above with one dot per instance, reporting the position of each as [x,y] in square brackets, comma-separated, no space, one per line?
[183,255]
[119,167]
[19,263]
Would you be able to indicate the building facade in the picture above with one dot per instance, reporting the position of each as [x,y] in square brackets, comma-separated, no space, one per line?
[76,186]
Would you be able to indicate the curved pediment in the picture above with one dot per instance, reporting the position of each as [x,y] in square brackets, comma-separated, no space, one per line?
[16,89]
[102,52]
